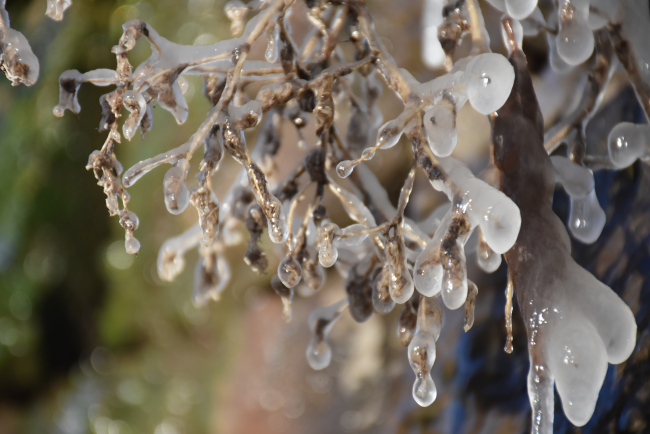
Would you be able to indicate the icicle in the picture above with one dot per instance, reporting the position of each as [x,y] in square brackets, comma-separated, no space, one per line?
[422,350]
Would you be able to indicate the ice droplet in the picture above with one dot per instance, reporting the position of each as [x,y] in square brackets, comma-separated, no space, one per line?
[289,271]
[321,320]
[328,252]
[489,78]
[177,196]
[440,125]
[586,218]
[627,142]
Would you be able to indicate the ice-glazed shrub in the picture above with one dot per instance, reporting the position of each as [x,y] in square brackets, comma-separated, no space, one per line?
[575,324]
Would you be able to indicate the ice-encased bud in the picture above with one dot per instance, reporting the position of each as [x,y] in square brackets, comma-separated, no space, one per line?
[489,78]
[381,299]
[440,124]
[401,285]
[19,63]
[627,142]
[69,83]
[389,134]
[177,195]
[575,40]
[56,8]
[454,277]
[520,9]
[277,221]
[427,272]
[210,281]
[422,354]
[272,36]
[406,324]
[136,104]
[586,218]
[289,271]
[328,252]
[321,320]
[313,274]
[248,115]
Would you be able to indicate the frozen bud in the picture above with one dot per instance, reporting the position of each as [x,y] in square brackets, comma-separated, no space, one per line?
[286,295]
[210,278]
[129,220]
[489,78]
[359,290]
[381,299]
[56,8]
[627,142]
[132,30]
[248,115]
[356,239]
[208,211]
[177,195]
[400,282]
[406,324]
[454,277]
[289,271]
[328,252]
[586,218]
[488,260]
[440,124]
[469,305]
[277,222]
[321,320]
[213,152]
[136,104]
[69,83]
[256,258]
[17,60]
[422,354]
[312,272]
[427,271]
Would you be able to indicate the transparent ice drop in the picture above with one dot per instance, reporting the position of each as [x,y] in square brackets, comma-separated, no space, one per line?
[488,260]
[401,285]
[422,350]
[454,277]
[321,320]
[627,142]
[489,78]
[272,48]
[177,196]
[586,218]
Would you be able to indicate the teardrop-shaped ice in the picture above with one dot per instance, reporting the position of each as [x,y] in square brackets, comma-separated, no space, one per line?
[177,195]
[627,142]
[586,218]
[520,9]
[575,40]
[321,320]
[427,273]
[489,78]
[289,271]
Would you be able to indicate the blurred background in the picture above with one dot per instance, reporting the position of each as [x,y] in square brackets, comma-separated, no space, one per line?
[92,341]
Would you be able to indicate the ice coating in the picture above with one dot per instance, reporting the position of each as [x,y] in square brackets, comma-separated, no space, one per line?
[328,252]
[518,30]
[321,320]
[488,260]
[440,124]
[353,240]
[574,323]
[400,282]
[56,8]
[210,279]
[433,55]
[520,9]
[627,142]
[272,35]
[177,195]
[136,104]
[578,181]
[381,300]
[289,271]
[489,79]
[170,256]
[422,350]
[575,39]
[17,60]
[69,83]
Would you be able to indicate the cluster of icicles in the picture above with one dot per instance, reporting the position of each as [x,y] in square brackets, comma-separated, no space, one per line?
[17,60]
[384,264]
